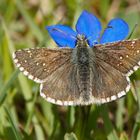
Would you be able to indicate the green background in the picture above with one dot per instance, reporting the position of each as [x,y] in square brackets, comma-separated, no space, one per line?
[24,115]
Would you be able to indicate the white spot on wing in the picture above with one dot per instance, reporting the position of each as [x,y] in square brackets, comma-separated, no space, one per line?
[135,68]
[121,57]
[114,97]
[127,56]
[138,51]
[107,99]
[25,73]
[37,80]
[120,94]
[18,65]
[51,100]
[139,63]
[14,55]
[127,78]
[133,42]
[127,88]
[129,73]
[70,102]
[21,68]
[43,95]
[103,100]
[15,60]
[58,102]
[30,77]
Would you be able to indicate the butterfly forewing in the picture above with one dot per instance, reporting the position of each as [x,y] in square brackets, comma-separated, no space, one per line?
[123,56]
[38,63]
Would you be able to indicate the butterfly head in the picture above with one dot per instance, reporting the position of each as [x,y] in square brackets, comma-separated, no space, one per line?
[81,41]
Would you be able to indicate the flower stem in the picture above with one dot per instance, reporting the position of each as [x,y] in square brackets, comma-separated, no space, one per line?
[81,121]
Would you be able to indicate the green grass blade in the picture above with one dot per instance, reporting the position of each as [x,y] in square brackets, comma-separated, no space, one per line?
[31,113]
[110,131]
[70,136]
[39,132]
[36,31]
[119,114]
[3,91]
[136,127]
[14,129]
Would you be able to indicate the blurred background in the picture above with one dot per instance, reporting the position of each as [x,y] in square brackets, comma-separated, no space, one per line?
[24,115]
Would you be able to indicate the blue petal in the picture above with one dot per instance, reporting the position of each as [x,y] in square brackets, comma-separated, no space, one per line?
[116,30]
[90,26]
[64,36]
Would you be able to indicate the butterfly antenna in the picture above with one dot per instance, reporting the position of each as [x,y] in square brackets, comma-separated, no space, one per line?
[134,28]
[101,33]
[108,27]
[92,36]
[56,29]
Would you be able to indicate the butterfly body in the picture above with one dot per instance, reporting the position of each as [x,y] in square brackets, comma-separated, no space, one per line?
[83,75]
[82,62]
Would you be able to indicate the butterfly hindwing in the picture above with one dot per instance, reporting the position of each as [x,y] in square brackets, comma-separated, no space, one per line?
[108,83]
[61,86]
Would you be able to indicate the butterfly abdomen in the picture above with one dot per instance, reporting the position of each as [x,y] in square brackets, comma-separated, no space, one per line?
[83,72]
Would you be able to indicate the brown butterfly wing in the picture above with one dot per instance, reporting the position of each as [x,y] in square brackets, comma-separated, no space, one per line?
[39,63]
[54,70]
[123,56]
[61,86]
[114,63]
[108,83]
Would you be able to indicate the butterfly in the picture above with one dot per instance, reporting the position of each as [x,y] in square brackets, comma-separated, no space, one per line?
[85,72]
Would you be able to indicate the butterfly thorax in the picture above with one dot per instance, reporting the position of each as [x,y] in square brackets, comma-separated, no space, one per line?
[81,60]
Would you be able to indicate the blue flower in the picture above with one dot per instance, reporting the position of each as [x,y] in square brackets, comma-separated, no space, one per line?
[89,26]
